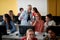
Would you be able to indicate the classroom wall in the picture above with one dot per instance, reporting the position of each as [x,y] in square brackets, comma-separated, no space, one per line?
[54,7]
[58,7]
[40,4]
[6,5]
[44,6]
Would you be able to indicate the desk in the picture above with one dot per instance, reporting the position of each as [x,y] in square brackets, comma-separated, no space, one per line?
[11,37]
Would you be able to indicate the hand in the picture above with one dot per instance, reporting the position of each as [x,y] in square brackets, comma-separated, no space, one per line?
[46,23]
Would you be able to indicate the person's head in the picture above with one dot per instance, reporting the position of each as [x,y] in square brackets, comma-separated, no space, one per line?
[48,17]
[29,8]
[30,33]
[6,17]
[38,17]
[11,12]
[21,9]
[51,32]
[35,10]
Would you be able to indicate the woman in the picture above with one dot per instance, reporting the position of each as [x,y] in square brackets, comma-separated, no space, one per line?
[30,35]
[49,21]
[11,14]
[8,22]
[38,23]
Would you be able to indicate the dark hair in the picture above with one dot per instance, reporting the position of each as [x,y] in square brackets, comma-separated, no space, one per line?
[29,5]
[50,16]
[21,9]
[51,28]
[8,17]
[35,9]
[8,20]
[10,10]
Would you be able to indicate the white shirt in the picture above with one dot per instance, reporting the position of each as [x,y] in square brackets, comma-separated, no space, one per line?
[50,23]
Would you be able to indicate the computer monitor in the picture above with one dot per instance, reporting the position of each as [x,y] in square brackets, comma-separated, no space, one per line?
[23,29]
[57,30]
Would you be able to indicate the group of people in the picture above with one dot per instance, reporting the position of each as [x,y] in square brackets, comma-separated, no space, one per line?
[32,17]
[29,17]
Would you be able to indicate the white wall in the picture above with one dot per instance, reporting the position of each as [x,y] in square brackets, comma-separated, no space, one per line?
[40,4]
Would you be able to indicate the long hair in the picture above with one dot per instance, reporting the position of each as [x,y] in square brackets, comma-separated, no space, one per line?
[35,9]
[8,18]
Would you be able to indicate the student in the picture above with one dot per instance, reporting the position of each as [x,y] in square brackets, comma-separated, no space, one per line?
[26,16]
[38,23]
[49,21]
[30,35]
[9,23]
[51,34]
[21,10]
[11,14]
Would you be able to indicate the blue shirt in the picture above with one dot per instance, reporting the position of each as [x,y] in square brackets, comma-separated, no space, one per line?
[23,17]
[13,28]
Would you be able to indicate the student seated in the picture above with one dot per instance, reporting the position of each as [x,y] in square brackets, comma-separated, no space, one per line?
[51,34]
[9,23]
[11,14]
[30,35]
[49,21]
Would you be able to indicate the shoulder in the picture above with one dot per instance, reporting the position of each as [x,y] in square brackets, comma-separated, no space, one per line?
[24,38]
[11,21]
[52,21]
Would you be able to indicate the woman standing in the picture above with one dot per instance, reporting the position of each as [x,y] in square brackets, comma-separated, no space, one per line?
[38,23]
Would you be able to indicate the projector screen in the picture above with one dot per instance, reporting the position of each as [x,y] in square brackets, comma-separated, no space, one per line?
[41,5]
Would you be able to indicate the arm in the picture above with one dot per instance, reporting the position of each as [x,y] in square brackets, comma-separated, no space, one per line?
[13,27]
[42,26]
[21,16]
[54,24]
[34,23]
[46,24]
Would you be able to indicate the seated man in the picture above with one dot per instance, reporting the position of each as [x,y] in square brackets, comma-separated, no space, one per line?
[51,34]
[29,35]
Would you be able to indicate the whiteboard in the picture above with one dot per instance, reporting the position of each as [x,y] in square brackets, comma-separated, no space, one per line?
[40,4]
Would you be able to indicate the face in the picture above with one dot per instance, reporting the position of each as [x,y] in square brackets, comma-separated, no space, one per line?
[47,19]
[10,13]
[4,18]
[37,17]
[22,10]
[30,34]
[51,34]
[29,8]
